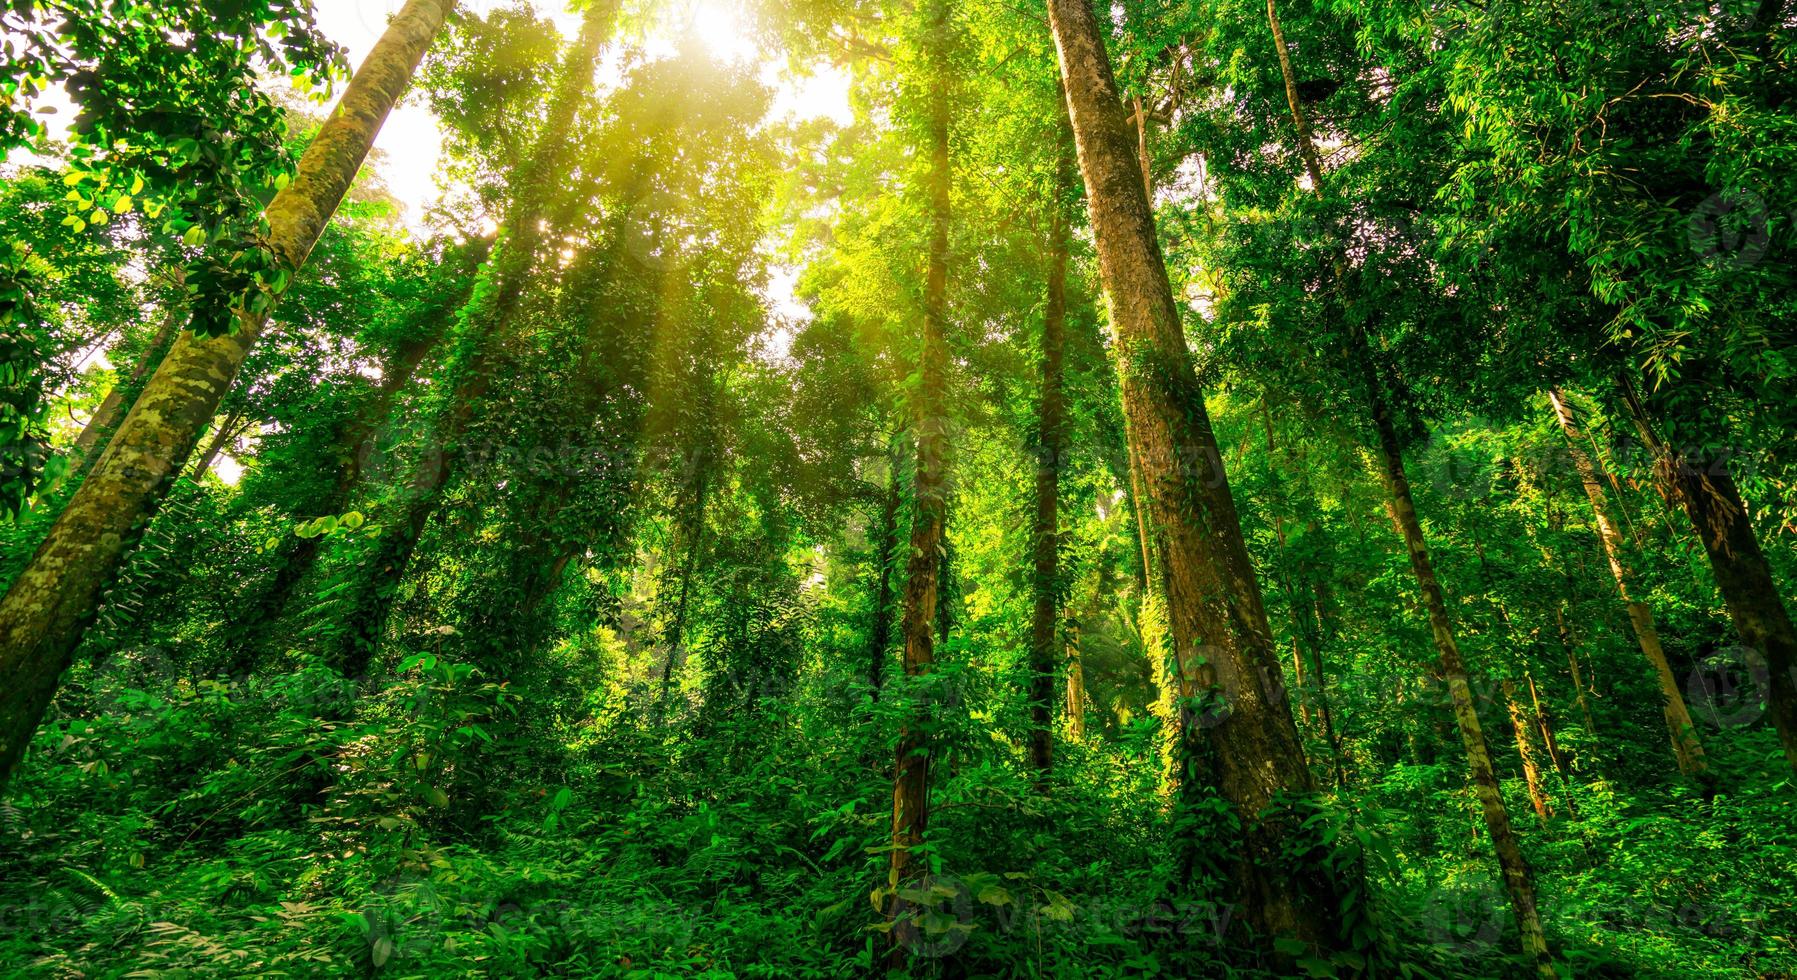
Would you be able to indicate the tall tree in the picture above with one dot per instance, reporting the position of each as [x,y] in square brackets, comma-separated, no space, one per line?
[1701,481]
[1519,877]
[43,614]
[911,778]
[1247,748]
[1051,448]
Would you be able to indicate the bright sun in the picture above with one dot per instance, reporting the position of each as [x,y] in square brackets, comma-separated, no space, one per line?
[720,25]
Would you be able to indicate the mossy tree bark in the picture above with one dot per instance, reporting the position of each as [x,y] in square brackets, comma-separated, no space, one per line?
[1243,742]
[44,613]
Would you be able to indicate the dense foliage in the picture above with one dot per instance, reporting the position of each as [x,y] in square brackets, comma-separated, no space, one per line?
[554,582]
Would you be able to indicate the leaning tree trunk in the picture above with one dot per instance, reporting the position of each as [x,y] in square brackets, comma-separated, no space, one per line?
[112,407]
[44,613]
[278,598]
[226,437]
[1520,725]
[1245,743]
[911,778]
[1051,437]
[1706,490]
[488,320]
[1686,748]
[1519,879]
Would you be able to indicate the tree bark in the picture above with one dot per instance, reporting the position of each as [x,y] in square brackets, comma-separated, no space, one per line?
[1706,490]
[112,407]
[1051,425]
[43,614]
[1686,748]
[1248,747]
[911,778]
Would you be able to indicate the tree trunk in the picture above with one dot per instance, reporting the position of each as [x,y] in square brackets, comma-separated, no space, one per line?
[1076,682]
[488,321]
[1704,487]
[356,445]
[1247,745]
[1051,424]
[42,616]
[880,635]
[1520,723]
[694,533]
[1686,747]
[226,435]
[112,407]
[911,778]
[1518,878]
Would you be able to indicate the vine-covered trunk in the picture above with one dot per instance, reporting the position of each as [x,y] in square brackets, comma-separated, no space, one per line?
[43,614]
[1706,490]
[1238,735]
[1686,748]
[488,321]
[1051,426]
[911,779]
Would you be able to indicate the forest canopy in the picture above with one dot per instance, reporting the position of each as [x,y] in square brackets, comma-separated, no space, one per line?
[817,488]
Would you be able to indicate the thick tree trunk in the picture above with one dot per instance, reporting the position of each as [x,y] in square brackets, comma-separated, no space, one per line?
[489,320]
[911,779]
[112,407]
[1051,427]
[1247,745]
[42,616]
[1686,748]
[1705,488]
